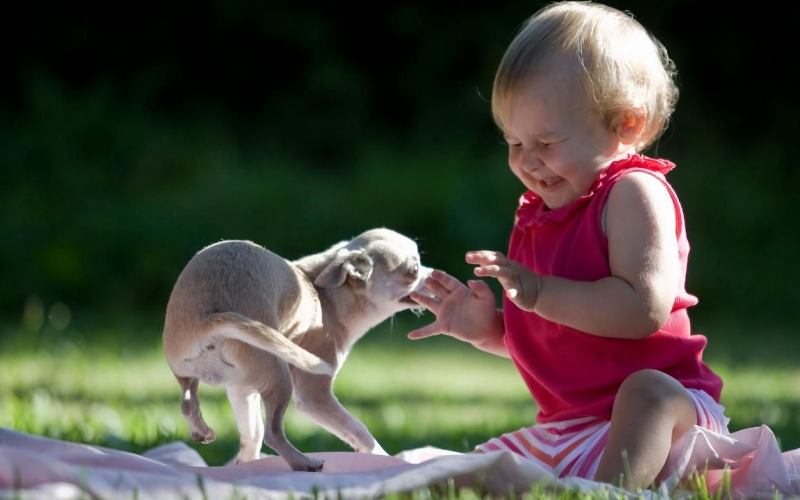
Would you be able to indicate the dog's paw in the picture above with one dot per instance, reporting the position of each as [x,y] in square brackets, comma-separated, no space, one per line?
[309,464]
[378,450]
[373,449]
[204,437]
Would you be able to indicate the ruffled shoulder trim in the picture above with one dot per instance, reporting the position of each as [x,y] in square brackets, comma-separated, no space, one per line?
[532,210]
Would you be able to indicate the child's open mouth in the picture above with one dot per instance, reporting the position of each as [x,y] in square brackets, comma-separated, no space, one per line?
[551,183]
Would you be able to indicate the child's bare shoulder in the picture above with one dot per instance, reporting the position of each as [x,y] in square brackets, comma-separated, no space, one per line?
[638,202]
[640,190]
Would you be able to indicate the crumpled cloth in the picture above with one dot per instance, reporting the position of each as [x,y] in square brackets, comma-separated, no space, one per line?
[35,468]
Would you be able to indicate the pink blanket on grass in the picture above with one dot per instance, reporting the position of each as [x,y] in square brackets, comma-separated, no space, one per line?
[37,468]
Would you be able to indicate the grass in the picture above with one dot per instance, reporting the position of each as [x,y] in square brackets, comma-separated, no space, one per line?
[409,395]
[113,388]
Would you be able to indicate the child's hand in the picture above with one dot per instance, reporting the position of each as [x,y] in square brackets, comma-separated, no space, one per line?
[522,285]
[466,313]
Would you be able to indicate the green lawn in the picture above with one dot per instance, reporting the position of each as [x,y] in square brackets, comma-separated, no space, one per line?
[113,388]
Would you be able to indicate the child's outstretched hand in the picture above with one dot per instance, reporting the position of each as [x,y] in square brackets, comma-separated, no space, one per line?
[468,313]
[522,285]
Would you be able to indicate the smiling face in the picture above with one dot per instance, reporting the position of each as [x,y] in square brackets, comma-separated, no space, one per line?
[558,144]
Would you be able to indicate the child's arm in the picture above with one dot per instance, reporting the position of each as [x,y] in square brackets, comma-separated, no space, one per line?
[466,313]
[637,298]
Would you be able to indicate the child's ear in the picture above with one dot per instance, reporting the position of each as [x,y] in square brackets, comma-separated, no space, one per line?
[630,125]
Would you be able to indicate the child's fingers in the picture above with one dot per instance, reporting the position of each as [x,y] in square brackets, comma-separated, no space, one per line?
[505,275]
[448,282]
[429,303]
[425,331]
[436,288]
[484,257]
[480,289]
[493,270]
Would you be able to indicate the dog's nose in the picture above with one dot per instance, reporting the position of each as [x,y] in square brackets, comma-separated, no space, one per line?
[424,273]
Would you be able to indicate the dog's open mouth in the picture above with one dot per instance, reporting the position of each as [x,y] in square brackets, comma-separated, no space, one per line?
[408,300]
[415,308]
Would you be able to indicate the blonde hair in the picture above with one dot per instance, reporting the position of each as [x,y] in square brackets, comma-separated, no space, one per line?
[622,67]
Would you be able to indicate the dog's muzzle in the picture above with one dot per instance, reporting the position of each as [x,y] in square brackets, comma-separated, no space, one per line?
[419,287]
[408,300]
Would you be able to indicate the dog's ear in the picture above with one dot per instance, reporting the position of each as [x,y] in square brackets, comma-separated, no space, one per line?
[355,264]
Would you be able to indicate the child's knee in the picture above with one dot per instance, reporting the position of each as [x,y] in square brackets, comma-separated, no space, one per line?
[650,385]
[660,393]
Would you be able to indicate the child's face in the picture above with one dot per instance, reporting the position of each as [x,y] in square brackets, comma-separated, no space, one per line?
[558,144]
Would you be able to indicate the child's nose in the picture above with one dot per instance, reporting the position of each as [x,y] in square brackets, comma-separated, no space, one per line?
[531,162]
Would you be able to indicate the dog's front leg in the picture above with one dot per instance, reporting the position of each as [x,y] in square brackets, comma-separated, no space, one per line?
[315,399]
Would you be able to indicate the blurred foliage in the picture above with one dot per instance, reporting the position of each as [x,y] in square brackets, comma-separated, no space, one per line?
[132,139]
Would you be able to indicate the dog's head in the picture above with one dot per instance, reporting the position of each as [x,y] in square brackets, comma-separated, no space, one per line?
[381,265]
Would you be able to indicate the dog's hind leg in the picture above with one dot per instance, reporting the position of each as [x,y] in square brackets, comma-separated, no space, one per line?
[315,400]
[190,407]
[276,400]
[246,404]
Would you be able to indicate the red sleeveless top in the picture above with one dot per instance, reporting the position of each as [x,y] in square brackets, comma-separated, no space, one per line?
[574,374]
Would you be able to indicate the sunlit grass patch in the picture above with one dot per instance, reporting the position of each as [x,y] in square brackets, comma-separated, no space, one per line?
[437,392]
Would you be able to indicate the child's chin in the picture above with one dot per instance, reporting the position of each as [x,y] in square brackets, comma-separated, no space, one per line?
[554,204]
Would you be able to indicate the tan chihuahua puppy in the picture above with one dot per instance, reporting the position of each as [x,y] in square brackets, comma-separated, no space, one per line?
[242,316]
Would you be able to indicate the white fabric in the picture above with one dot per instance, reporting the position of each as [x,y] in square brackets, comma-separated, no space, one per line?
[575,447]
[37,468]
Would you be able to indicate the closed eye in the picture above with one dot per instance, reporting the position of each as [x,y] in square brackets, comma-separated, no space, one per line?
[551,142]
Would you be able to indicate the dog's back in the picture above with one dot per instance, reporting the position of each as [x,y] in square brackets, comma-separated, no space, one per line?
[233,278]
[236,276]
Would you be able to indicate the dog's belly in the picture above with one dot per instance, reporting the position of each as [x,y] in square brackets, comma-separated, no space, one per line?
[212,363]
[220,361]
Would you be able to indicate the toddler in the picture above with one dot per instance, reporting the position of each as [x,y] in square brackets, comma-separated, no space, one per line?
[595,311]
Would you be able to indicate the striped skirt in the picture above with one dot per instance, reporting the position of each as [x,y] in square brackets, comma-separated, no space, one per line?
[573,448]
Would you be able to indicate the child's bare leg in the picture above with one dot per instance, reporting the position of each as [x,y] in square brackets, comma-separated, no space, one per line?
[651,411]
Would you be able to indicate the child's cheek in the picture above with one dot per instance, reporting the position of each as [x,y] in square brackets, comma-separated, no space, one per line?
[513,159]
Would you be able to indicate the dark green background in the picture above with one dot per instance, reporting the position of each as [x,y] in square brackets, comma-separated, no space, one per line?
[132,136]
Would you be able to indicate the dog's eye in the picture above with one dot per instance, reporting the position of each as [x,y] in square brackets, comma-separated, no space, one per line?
[413,272]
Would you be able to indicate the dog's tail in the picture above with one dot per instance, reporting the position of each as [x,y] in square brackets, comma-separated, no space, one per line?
[261,336]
